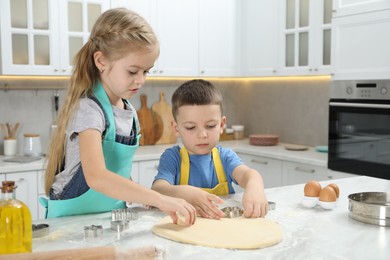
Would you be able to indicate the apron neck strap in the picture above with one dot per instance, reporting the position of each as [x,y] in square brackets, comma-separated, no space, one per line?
[101,95]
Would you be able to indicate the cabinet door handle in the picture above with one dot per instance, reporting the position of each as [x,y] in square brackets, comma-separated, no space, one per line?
[260,162]
[302,169]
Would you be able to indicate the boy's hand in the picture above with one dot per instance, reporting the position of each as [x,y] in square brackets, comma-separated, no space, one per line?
[206,204]
[255,204]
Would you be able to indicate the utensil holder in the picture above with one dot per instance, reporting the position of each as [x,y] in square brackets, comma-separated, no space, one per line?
[10,147]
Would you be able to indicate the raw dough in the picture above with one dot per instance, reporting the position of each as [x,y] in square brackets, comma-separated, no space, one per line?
[235,233]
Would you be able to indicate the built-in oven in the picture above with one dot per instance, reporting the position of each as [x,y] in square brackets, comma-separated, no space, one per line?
[359,127]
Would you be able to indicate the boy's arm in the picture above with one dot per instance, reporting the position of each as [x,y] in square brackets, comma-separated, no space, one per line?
[206,204]
[254,200]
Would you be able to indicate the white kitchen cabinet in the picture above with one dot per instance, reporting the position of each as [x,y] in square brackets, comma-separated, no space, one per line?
[147,170]
[218,41]
[42,37]
[41,193]
[270,169]
[26,190]
[260,31]
[295,173]
[361,46]
[305,42]
[351,7]
[135,172]
[177,27]
[192,41]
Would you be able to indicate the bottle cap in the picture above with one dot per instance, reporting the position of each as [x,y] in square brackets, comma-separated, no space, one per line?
[8,186]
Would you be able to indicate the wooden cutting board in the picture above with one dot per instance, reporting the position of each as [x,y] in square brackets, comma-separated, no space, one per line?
[164,110]
[150,122]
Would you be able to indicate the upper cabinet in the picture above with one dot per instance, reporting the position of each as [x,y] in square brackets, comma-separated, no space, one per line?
[361,40]
[192,41]
[219,38]
[41,37]
[350,7]
[305,41]
[218,41]
[259,34]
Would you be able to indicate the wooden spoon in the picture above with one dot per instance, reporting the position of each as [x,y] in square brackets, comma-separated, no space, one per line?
[14,129]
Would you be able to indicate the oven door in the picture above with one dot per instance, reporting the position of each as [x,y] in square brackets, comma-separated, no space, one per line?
[359,137]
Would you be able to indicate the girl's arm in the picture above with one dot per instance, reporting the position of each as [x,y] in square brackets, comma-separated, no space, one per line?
[102,180]
[205,203]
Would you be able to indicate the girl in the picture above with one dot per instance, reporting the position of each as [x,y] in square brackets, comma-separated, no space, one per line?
[91,153]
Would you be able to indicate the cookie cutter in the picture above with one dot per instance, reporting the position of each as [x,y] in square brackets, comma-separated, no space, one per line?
[235,212]
[119,225]
[40,230]
[123,214]
[271,205]
[232,212]
[93,231]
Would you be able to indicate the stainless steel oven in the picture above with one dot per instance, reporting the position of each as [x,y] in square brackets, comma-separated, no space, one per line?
[359,127]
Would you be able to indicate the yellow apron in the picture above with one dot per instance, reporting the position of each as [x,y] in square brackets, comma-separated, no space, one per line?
[221,188]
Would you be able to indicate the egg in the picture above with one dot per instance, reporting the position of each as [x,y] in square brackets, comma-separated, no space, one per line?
[312,189]
[336,189]
[328,194]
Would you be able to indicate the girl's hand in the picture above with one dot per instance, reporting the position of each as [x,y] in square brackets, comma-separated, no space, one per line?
[175,206]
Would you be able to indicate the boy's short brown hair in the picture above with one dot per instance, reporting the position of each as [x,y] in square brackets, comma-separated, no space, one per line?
[195,92]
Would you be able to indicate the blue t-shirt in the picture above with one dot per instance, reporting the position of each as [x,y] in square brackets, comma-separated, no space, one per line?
[202,170]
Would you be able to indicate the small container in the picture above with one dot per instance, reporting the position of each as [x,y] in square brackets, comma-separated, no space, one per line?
[327,205]
[309,202]
[10,146]
[32,145]
[238,131]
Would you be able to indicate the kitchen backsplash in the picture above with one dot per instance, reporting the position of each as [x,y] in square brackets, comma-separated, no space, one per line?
[294,108]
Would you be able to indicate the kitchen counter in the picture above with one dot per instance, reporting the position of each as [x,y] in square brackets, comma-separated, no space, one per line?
[309,233]
[153,152]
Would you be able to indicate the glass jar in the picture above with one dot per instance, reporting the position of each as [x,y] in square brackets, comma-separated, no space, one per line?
[32,145]
[238,131]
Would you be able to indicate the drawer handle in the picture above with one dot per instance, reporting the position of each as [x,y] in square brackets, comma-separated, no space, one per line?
[260,162]
[301,169]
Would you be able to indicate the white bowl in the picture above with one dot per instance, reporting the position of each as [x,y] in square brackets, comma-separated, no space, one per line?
[309,202]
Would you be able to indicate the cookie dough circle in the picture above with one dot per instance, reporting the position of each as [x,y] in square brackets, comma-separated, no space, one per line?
[233,233]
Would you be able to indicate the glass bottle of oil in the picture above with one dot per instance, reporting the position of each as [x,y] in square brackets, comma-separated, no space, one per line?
[15,222]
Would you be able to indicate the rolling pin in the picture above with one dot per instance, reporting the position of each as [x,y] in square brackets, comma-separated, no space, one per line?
[96,253]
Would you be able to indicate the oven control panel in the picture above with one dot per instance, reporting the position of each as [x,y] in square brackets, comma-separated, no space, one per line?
[360,89]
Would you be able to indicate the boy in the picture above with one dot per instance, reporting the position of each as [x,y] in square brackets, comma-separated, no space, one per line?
[201,171]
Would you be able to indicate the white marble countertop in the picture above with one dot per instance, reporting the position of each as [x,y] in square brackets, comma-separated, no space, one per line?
[153,152]
[308,233]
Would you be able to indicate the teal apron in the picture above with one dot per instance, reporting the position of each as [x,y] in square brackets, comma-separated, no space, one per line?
[118,159]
